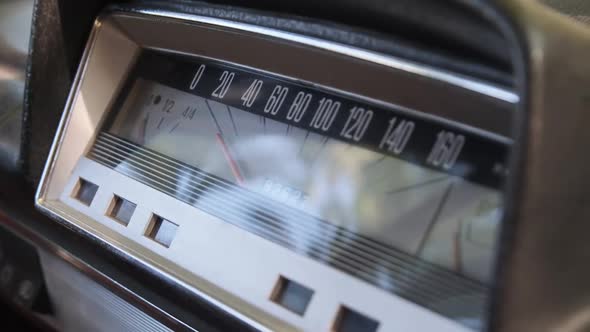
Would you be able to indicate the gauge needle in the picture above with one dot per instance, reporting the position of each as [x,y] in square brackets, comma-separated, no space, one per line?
[233,165]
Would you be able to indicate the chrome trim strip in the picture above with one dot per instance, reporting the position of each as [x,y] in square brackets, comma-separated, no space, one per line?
[385,60]
[54,150]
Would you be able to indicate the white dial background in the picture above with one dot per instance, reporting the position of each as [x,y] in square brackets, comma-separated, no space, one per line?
[443,219]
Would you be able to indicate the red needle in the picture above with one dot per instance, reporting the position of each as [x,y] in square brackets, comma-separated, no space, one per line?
[230,160]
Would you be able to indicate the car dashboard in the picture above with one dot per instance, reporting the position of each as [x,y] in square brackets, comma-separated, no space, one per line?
[299,167]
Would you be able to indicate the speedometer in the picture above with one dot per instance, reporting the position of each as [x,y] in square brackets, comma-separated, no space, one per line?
[304,186]
[296,163]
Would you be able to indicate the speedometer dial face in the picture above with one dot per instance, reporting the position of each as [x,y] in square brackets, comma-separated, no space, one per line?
[403,202]
[421,211]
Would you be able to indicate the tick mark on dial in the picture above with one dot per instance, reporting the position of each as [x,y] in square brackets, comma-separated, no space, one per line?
[160,123]
[303,144]
[322,147]
[231,117]
[417,185]
[214,118]
[174,128]
[373,162]
[435,217]
[263,120]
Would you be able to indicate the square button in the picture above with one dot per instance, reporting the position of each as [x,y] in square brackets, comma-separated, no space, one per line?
[121,210]
[84,191]
[349,320]
[161,230]
[292,295]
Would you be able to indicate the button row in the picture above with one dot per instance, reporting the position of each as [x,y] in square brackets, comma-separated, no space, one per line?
[287,293]
[121,210]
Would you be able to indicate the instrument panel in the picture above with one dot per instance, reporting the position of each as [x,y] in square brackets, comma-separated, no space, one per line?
[328,163]
[298,184]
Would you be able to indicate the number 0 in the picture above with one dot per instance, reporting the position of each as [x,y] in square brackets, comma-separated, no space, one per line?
[197,77]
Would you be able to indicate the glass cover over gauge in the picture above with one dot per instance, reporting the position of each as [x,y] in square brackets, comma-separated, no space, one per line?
[406,203]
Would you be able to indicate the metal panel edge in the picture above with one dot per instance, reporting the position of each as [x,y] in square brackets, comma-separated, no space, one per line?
[430,72]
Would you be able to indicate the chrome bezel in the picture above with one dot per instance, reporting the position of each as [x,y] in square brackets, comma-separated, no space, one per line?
[465,93]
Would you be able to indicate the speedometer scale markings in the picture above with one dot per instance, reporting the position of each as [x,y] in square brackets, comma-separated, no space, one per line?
[378,193]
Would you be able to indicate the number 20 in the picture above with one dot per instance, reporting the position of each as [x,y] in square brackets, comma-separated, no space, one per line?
[226,78]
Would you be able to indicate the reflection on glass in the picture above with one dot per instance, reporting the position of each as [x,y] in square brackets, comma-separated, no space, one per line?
[438,217]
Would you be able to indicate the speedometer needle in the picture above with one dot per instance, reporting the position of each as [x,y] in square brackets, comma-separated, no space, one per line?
[233,165]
